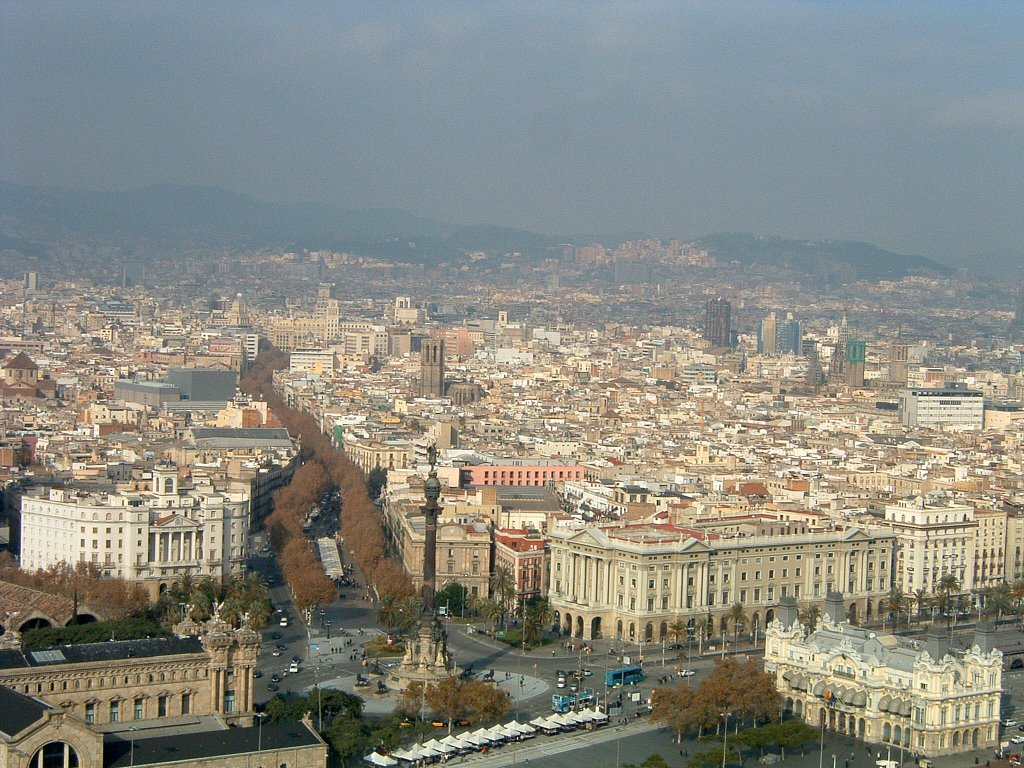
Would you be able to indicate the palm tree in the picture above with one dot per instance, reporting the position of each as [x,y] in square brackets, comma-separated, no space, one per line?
[503,587]
[949,585]
[1000,600]
[409,609]
[677,629]
[537,616]
[1017,590]
[809,616]
[387,611]
[921,599]
[896,603]
[492,611]
[737,616]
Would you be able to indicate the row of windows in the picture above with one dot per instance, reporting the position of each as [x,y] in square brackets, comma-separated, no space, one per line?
[116,708]
[186,674]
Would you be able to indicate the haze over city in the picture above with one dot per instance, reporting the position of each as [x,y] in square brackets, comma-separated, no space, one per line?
[895,124]
[622,385]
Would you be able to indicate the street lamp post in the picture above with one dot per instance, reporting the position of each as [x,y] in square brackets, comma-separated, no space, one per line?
[725,740]
[259,738]
[131,732]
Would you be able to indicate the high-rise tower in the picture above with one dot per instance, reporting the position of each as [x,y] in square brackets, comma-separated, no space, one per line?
[432,368]
[768,341]
[718,322]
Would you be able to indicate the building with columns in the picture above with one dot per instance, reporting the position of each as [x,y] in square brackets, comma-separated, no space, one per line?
[152,536]
[919,695]
[633,581]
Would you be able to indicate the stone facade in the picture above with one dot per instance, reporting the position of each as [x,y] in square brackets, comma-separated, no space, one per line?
[919,695]
[35,734]
[633,581]
[206,671]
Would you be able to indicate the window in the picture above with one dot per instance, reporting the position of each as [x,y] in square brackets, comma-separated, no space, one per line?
[138,709]
[90,713]
[229,701]
[186,703]
[650,583]
[161,706]
[115,711]
[56,754]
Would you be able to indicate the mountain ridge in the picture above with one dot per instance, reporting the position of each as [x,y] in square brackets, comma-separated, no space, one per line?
[175,216]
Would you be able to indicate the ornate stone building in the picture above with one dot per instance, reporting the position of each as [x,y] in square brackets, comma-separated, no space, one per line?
[203,670]
[918,695]
[35,734]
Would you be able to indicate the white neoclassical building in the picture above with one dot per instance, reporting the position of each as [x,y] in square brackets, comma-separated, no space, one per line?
[919,695]
[152,536]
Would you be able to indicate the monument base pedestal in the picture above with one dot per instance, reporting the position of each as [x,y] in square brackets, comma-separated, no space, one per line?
[426,659]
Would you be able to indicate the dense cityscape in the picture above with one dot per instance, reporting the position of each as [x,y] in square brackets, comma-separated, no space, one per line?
[287,483]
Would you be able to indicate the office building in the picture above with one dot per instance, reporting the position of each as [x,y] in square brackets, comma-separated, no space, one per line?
[204,384]
[952,405]
[718,322]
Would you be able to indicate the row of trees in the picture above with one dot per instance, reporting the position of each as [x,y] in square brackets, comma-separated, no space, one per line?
[454,699]
[788,734]
[361,521]
[84,583]
[744,690]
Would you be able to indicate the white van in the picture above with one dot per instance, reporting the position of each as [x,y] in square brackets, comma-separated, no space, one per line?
[284,621]
[293,668]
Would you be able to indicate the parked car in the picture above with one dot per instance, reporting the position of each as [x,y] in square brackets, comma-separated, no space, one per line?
[275,678]
[281,647]
[296,659]
[257,673]
[273,687]
[1017,740]
[1009,723]
[276,652]
[587,672]
[686,673]
[275,635]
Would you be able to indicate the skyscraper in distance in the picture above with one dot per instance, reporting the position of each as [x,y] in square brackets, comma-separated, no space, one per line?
[718,322]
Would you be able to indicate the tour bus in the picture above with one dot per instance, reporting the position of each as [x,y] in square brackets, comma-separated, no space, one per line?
[623,676]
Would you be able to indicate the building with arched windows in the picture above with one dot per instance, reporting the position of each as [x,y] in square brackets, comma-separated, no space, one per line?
[36,734]
[204,670]
[920,695]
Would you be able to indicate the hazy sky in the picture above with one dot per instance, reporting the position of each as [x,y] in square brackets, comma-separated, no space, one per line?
[896,123]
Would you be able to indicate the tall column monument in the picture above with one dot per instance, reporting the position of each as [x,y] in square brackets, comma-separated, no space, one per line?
[426,655]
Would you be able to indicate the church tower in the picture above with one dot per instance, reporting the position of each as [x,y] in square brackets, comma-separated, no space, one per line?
[432,368]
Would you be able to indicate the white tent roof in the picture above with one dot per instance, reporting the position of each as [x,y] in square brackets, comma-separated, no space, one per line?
[409,756]
[444,749]
[378,759]
[520,727]
[423,750]
[561,720]
[473,739]
[483,733]
[455,741]
[498,733]
[544,723]
[596,713]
